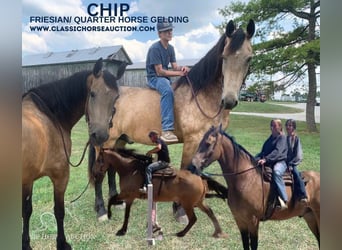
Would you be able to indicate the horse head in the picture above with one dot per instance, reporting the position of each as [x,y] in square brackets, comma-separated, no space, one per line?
[103,91]
[237,54]
[207,151]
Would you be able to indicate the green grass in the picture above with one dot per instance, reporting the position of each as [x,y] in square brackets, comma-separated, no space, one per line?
[84,232]
[266,107]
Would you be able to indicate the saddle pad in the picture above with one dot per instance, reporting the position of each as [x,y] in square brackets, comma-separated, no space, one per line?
[287,176]
[165,172]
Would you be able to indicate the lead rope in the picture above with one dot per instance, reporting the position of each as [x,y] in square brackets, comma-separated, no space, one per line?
[61,132]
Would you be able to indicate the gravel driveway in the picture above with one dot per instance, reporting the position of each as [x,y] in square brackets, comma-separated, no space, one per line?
[297,116]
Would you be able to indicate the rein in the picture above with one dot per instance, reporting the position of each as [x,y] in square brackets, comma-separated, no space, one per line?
[57,123]
[230,174]
[197,103]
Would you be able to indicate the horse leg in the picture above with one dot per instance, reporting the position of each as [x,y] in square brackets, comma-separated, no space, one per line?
[123,229]
[192,219]
[179,213]
[311,221]
[249,235]
[26,214]
[189,148]
[112,185]
[245,238]
[218,233]
[111,182]
[99,203]
[254,238]
[59,187]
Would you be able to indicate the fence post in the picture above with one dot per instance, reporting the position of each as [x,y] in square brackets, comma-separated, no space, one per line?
[150,239]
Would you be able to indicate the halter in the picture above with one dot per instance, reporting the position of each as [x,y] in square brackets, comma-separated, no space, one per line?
[110,122]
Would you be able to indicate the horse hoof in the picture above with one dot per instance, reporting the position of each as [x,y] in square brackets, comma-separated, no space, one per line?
[180,234]
[121,232]
[102,218]
[64,246]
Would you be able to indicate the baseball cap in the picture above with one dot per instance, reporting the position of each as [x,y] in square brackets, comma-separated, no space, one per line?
[164,26]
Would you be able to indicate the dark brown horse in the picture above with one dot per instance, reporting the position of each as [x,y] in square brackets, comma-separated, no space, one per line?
[184,187]
[248,192]
[49,112]
[203,98]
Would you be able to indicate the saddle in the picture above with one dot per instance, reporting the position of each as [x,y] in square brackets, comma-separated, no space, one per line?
[287,176]
[164,173]
[272,198]
[167,172]
[267,174]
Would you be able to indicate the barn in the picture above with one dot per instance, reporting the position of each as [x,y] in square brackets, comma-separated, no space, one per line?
[42,68]
[135,74]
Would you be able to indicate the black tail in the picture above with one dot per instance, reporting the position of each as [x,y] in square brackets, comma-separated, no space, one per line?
[221,190]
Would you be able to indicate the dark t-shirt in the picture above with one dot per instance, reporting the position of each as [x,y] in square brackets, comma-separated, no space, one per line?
[157,54]
[163,154]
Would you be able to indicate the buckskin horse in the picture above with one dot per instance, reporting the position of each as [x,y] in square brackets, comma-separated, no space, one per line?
[248,192]
[49,112]
[182,186]
[204,97]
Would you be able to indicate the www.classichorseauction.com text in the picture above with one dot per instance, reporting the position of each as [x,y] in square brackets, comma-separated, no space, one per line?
[102,17]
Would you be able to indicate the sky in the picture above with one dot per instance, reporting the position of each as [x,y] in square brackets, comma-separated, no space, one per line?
[193,35]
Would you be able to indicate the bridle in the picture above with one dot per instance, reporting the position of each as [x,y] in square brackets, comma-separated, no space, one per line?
[197,103]
[110,121]
[223,174]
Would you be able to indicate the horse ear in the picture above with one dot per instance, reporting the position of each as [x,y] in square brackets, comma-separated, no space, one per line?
[230,28]
[121,70]
[98,67]
[250,29]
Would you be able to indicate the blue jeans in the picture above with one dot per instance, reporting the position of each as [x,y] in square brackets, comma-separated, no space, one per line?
[278,170]
[298,184]
[152,168]
[163,86]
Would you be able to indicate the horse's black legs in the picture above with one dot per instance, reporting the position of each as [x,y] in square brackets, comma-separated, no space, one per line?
[111,182]
[99,203]
[123,229]
[59,215]
[192,220]
[254,241]
[245,239]
[249,240]
[26,214]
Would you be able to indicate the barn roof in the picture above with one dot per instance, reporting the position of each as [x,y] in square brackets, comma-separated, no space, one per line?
[75,56]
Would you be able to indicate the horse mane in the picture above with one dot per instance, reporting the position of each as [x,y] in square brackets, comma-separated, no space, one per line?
[239,150]
[56,98]
[142,159]
[110,80]
[208,70]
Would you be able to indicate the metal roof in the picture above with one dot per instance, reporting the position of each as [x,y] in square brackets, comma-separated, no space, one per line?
[74,56]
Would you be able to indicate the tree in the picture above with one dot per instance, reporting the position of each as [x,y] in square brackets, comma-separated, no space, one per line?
[288,43]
